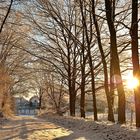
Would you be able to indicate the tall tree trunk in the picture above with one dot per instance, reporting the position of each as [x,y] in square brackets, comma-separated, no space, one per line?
[73,93]
[72,96]
[82,99]
[72,104]
[71,83]
[106,84]
[93,86]
[83,59]
[115,62]
[82,4]
[40,98]
[135,57]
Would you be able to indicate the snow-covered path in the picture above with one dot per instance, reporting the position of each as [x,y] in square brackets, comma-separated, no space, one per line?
[51,127]
[30,128]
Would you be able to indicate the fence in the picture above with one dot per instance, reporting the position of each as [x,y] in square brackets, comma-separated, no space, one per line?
[27,111]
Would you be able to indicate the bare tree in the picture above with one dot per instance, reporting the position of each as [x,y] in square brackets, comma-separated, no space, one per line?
[106,80]
[110,8]
[135,57]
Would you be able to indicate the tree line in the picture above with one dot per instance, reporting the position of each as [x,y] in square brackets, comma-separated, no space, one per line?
[88,44]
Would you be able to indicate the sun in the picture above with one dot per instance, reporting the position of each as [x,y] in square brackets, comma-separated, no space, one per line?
[132,82]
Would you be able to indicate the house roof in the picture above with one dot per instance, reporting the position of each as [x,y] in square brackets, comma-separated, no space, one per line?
[34,97]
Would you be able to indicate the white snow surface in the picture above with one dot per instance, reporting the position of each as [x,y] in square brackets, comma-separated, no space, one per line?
[52,127]
[87,129]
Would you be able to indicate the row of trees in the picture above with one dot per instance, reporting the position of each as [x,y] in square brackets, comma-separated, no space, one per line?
[5,80]
[13,61]
[75,35]
[86,43]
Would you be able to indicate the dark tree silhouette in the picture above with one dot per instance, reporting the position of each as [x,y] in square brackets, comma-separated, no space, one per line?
[115,64]
[135,57]
[108,95]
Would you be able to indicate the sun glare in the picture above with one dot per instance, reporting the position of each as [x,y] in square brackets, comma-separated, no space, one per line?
[132,82]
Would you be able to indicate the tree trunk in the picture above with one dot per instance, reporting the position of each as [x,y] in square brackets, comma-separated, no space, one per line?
[82,4]
[40,98]
[82,100]
[93,87]
[72,104]
[108,93]
[71,84]
[115,62]
[40,102]
[135,57]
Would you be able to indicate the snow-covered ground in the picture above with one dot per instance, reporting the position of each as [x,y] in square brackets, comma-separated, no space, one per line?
[90,130]
[51,127]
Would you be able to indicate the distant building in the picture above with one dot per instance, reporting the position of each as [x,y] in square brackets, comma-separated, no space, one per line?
[34,102]
[26,107]
[21,102]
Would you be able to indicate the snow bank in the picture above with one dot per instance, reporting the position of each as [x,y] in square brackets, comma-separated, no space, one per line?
[106,130]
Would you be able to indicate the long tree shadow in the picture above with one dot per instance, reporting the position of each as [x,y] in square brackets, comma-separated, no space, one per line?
[21,127]
[24,129]
[17,126]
